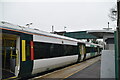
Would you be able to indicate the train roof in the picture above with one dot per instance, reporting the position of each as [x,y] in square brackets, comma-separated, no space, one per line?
[34,31]
[37,31]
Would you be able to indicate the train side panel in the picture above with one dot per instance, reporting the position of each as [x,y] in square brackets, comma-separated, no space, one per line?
[42,65]
[52,53]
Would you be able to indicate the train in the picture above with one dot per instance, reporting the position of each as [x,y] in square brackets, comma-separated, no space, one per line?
[27,51]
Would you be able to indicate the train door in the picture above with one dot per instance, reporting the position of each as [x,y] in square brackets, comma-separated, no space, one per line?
[82,51]
[10,55]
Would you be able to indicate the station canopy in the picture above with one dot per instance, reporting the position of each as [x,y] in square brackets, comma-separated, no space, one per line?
[100,33]
[89,34]
[80,35]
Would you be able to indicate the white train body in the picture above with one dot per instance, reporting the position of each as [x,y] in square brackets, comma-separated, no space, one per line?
[33,51]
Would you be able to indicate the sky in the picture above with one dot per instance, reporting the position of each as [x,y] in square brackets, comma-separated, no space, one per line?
[75,15]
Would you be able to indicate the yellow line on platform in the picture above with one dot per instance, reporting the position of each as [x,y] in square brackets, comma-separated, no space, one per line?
[79,70]
[9,78]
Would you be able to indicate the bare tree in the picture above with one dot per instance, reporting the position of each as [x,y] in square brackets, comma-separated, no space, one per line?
[113,13]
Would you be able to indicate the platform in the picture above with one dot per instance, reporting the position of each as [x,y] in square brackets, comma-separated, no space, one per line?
[87,69]
[92,71]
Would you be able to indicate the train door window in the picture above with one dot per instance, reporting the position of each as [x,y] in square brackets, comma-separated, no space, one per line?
[27,50]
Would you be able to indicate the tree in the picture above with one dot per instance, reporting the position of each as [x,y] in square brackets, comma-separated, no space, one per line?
[113,13]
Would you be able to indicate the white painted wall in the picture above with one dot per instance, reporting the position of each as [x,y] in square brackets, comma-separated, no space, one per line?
[108,64]
[109,47]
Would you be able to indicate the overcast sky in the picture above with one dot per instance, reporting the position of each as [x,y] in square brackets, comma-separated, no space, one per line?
[73,14]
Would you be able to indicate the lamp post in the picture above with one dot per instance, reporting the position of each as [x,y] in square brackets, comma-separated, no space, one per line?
[52,28]
[108,27]
[65,28]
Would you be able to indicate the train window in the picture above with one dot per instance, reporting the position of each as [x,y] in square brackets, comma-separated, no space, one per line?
[56,50]
[91,49]
[49,50]
[28,50]
[41,50]
[88,49]
[70,50]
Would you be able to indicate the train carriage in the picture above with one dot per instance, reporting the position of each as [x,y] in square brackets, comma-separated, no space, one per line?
[27,51]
